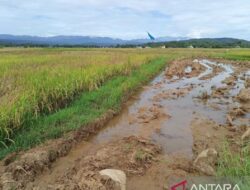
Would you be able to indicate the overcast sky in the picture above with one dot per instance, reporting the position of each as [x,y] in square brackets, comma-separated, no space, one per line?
[126,18]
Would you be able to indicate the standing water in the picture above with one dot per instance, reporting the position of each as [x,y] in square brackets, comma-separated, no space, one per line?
[173,131]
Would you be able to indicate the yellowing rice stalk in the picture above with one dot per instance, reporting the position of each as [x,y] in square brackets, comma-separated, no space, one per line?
[37,81]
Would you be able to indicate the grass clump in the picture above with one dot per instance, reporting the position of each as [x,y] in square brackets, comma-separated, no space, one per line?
[235,166]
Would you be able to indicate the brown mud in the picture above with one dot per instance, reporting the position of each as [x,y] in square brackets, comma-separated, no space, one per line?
[175,127]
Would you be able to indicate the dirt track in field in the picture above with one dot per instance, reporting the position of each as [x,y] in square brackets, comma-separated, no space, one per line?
[191,108]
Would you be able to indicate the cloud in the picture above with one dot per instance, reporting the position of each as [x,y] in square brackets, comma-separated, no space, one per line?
[126,19]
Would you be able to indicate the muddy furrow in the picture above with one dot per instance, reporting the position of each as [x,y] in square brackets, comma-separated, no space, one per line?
[190,108]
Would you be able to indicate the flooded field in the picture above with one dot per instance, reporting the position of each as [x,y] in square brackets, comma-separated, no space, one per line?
[163,111]
[188,110]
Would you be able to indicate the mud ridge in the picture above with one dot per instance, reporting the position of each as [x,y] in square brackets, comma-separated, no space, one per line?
[25,167]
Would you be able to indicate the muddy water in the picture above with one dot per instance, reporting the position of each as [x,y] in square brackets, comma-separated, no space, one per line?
[166,120]
[173,134]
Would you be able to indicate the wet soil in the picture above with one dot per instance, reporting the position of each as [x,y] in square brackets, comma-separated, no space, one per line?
[193,106]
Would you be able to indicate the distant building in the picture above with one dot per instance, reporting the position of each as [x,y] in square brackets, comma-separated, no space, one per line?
[191,47]
[163,47]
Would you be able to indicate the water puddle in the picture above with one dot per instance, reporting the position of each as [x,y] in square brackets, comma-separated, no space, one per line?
[172,133]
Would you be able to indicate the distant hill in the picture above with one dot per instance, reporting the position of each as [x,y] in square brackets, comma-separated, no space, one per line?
[88,41]
[205,43]
[6,39]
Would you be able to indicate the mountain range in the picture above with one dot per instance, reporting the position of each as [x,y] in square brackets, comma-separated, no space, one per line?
[88,41]
[77,40]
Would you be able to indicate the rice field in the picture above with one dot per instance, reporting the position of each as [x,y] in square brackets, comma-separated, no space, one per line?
[40,81]
[47,92]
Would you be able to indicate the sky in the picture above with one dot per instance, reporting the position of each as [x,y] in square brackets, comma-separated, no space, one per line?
[126,19]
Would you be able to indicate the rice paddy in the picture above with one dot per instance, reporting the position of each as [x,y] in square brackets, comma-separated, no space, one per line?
[49,93]
[37,82]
